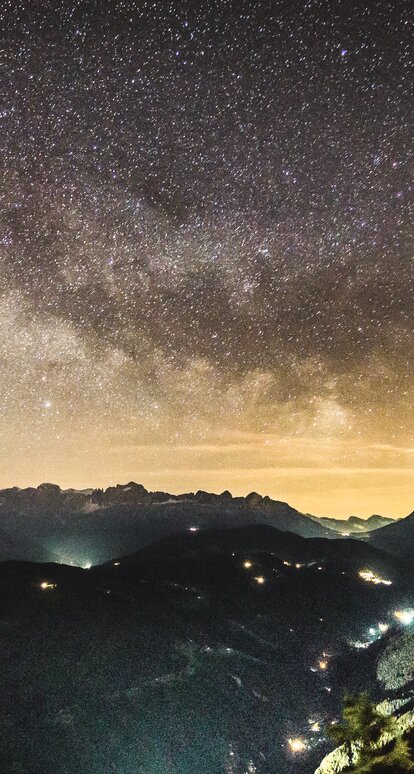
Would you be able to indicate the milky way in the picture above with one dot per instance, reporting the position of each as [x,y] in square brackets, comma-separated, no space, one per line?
[206,248]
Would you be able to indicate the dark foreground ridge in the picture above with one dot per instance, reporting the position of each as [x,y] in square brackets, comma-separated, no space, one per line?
[205,652]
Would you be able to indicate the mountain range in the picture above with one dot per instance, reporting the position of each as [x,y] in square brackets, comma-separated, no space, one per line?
[91,526]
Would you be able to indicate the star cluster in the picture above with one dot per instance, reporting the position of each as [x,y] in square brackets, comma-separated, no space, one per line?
[206,248]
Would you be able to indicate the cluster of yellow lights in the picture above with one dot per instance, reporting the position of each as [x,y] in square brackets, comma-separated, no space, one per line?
[260,579]
[323,664]
[374,631]
[369,577]
[45,585]
[300,565]
[404,616]
[297,745]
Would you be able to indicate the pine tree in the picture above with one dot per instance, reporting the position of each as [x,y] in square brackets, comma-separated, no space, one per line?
[363,726]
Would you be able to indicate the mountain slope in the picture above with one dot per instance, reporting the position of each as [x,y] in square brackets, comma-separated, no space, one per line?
[397,538]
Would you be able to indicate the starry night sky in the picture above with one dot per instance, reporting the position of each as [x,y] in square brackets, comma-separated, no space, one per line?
[206,248]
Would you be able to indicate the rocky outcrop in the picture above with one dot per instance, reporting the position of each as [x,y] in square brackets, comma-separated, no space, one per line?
[122,494]
[253,499]
[46,498]
[336,761]
[395,667]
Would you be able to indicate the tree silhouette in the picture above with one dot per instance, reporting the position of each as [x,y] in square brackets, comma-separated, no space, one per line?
[362,726]
[393,759]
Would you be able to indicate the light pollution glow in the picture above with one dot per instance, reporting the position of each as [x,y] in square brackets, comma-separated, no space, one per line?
[206,241]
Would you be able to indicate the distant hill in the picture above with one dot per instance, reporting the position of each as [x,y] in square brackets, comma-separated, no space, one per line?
[91,526]
[292,550]
[355,524]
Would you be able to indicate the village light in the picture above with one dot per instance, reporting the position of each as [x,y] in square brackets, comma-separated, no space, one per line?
[297,745]
[404,616]
[370,577]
